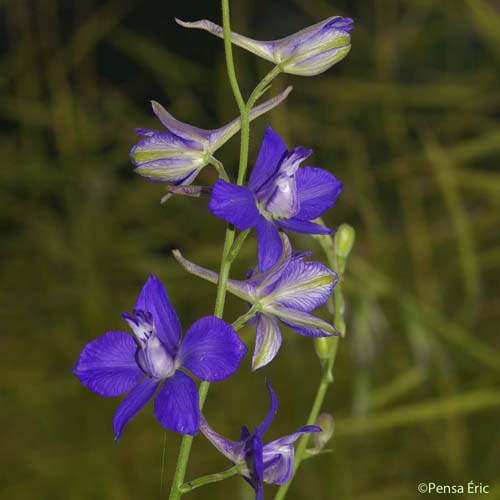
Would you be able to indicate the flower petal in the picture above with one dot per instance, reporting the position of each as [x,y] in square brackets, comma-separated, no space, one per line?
[154,299]
[303,286]
[177,405]
[271,151]
[303,226]
[317,63]
[267,342]
[230,449]
[310,39]
[302,322]
[270,246]
[243,289]
[175,169]
[273,446]
[133,403]
[179,128]
[235,204]
[272,411]
[107,365]
[317,190]
[255,464]
[279,470]
[262,49]
[265,280]
[157,145]
[211,349]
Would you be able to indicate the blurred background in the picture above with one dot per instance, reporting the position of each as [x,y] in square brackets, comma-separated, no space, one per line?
[409,122]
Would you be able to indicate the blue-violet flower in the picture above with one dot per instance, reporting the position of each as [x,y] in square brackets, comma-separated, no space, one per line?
[288,291]
[278,194]
[271,463]
[308,52]
[178,154]
[117,363]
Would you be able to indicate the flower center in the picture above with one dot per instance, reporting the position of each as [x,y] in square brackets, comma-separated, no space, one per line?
[152,356]
[278,196]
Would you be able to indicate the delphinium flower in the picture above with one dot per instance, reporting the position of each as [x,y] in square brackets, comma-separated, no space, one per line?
[288,291]
[308,52]
[279,193]
[178,154]
[271,463]
[117,363]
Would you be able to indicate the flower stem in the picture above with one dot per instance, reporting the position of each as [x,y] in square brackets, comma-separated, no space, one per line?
[235,250]
[210,478]
[231,72]
[219,167]
[240,322]
[245,121]
[327,368]
[262,87]
[229,252]
[187,441]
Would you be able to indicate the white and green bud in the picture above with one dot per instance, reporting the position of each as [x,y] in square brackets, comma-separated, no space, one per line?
[327,424]
[176,155]
[343,243]
[308,52]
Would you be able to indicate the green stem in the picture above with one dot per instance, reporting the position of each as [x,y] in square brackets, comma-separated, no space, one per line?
[219,167]
[233,81]
[235,250]
[326,376]
[209,478]
[262,87]
[240,322]
[245,121]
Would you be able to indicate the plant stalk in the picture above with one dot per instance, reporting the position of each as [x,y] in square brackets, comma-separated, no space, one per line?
[326,375]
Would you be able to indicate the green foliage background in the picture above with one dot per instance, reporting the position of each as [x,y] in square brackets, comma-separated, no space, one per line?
[409,121]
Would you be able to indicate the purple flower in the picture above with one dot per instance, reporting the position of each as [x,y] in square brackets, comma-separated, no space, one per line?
[272,462]
[178,154]
[278,194]
[118,363]
[308,52]
[288,291]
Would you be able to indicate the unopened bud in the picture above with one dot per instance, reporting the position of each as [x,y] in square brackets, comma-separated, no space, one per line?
[323,346]
[343,243]
[307,52]
[327,424]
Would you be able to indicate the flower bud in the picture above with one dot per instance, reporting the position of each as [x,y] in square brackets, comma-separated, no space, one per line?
[308,52]
[315,49]
[323,346]
[165,157]
[327,424]
[343,243]
[176,155]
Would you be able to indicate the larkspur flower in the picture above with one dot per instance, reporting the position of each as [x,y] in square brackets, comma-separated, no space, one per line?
[178,154]
[117,363]
[278,194]
[271,463]
[288,291]
[308,52]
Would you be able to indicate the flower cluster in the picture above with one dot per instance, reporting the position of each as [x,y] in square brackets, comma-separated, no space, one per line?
[284,288]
